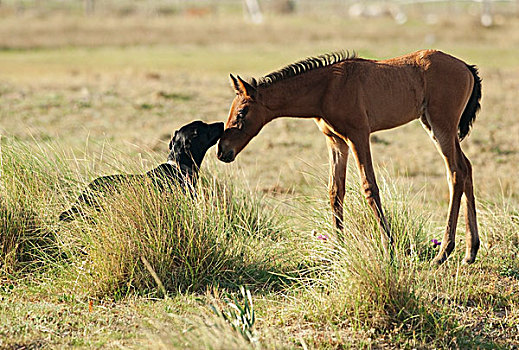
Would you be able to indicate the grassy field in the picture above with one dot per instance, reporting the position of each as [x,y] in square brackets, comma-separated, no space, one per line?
[87,96]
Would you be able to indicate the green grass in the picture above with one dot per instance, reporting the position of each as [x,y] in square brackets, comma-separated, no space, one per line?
[189,243]
[145,245]
[186,240]
[78,103]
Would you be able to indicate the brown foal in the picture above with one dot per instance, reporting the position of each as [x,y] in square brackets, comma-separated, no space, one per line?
[349,98]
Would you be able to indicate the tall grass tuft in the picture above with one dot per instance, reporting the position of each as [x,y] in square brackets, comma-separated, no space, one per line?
[188,241]
[29,180]
[147,241]
[142,240]
[357,282]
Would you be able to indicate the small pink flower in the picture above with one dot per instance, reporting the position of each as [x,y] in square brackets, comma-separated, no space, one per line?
[322,237]
[435,242]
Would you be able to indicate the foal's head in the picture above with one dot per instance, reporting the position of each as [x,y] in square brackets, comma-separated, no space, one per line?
[246,118]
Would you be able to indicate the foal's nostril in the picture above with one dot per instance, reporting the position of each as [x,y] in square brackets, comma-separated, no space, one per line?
[226,157]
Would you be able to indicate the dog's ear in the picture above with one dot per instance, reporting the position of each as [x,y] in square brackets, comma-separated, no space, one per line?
[172,140]
[184,141]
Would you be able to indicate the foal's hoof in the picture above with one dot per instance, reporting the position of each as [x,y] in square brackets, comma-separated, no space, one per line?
[438,261]
[469,260]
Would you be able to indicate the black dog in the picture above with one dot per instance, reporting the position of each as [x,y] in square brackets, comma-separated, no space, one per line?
[187,150]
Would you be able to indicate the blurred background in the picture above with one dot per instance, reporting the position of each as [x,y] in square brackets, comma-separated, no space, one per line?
[95,74]
[399,10]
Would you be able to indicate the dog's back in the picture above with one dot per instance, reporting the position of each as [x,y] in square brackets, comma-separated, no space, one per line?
[187,150]
[162,178]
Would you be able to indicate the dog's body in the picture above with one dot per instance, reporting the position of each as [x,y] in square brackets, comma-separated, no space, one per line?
[187,150]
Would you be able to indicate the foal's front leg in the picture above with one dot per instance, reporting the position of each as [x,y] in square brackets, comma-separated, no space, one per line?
[359,144]
[338,152]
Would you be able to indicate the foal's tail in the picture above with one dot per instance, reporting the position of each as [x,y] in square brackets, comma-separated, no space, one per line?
[473,106]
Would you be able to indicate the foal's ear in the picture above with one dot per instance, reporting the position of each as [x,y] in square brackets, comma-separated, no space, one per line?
[242,87]
[235,83]
[246,88]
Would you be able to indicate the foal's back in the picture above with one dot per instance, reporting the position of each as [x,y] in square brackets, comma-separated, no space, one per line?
[396,91]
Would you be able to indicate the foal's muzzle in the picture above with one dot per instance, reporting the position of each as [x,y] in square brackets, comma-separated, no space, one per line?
[227,156]
[232,142]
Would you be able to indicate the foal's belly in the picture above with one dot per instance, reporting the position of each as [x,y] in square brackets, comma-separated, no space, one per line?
[390,120]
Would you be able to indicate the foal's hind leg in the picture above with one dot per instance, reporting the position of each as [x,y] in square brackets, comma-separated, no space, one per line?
[457,173]
[338,151]
[471,235]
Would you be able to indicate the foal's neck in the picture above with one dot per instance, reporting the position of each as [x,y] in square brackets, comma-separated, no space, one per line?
[299,96]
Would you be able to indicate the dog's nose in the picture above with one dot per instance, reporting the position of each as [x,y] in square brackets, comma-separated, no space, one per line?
[226,157]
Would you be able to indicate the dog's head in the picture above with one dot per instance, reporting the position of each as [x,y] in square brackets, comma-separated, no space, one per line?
[190,143]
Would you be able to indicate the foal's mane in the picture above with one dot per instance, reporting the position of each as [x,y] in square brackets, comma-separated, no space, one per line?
[304,66]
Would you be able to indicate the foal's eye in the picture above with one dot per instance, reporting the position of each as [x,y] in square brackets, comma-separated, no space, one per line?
[242,113]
